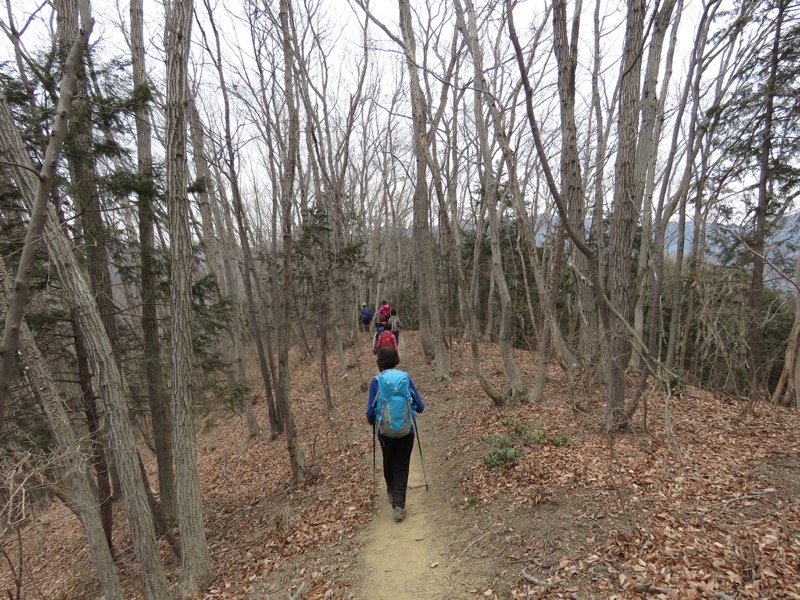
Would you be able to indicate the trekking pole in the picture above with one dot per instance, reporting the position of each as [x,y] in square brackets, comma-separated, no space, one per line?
[373,454]
[419,445]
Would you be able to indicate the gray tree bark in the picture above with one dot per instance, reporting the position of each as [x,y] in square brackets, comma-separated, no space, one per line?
[626,210]
[160,414]
[195,563]
[296,456]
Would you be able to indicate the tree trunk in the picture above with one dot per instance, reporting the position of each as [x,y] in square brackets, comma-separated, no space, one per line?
[93,422]
[160,414]
[296,456]
[430,322]
[195,562]
[788,382]
[626,210]
[755,322]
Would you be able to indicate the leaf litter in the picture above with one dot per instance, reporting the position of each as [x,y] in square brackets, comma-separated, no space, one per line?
[588,517]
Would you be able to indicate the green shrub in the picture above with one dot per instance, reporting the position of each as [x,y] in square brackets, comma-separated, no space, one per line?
[500,456]
[500,442]
[505,448]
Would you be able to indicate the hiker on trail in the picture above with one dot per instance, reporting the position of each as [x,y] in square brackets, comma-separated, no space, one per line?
[384,312]
[384,338]
[393,400]
[366,316]
[394,326]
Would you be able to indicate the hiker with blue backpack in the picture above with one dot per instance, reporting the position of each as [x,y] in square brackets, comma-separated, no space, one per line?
[393,401]
[366,316]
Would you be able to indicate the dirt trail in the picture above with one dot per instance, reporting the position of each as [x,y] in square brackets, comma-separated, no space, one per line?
[400,559]
[422,556]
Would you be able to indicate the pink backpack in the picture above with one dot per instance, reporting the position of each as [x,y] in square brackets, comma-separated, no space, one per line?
[386,340]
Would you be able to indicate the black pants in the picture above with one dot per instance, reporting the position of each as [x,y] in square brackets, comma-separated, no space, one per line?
[396,460]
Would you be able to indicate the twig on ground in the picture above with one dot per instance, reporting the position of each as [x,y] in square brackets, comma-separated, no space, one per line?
[531,578]
[749,496]
[649,587]
[670,430]
[477,539]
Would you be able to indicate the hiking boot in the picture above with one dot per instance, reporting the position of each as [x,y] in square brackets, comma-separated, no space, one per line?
[399,513]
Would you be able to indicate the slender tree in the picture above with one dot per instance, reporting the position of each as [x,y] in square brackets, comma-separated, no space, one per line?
[160,414]
[195,562]
[430,318]
[233,179]
[296,456]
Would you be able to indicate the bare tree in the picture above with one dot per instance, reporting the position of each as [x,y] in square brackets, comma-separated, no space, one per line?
[289,159]
[195,562]
[430,322]
[491,190]
[160,415]
[233,178]
[592,258]
[755,327]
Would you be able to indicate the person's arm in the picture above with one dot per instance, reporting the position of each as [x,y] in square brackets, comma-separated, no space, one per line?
[416,399]
[373,391]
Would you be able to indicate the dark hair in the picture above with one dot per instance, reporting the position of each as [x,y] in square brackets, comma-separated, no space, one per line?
[387,358]
[394,312]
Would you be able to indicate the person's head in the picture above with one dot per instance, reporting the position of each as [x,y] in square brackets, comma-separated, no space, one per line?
[384,302]
[364,305]
[387,358]
[394,312]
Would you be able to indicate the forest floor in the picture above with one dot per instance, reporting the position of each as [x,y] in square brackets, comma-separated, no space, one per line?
[712,511]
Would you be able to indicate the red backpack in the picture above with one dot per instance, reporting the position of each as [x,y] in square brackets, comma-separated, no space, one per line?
[386,340]
[385,312]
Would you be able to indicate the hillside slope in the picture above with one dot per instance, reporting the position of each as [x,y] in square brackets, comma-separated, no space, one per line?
[712,513]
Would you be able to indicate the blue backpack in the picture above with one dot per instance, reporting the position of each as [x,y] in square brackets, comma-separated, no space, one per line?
[393,404]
